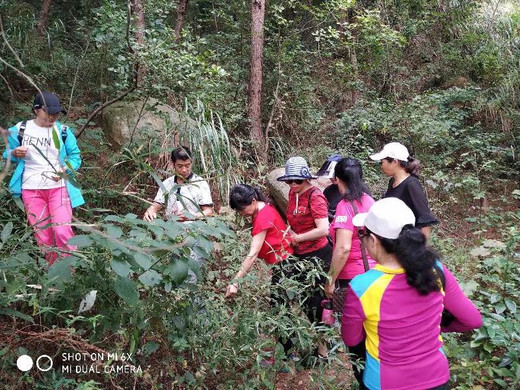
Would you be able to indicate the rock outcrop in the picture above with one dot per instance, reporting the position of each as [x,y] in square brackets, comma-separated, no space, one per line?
[140,120]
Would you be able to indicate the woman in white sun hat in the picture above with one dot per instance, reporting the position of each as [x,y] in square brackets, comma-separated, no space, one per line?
[404,183]
[396,306]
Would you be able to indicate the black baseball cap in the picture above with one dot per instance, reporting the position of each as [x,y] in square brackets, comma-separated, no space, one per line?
[49,102]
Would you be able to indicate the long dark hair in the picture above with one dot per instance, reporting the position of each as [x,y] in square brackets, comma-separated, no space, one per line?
[415,257]
[349,171]
[242,195]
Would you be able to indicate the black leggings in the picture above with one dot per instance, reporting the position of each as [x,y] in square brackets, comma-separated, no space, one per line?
[313,295]
[445,386]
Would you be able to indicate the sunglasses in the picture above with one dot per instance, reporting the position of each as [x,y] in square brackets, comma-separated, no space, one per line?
[298,181]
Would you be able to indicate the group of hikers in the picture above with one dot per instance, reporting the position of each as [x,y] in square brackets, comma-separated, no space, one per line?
[396,296]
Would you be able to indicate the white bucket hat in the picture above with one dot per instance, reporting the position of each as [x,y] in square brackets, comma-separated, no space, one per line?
[386,218]
[393,150]
[296,168]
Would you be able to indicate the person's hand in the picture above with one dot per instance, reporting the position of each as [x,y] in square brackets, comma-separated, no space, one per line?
[63,174]
[294,238]
[231,290]
[181,216]
[150,215]
[329,290]
[20,151]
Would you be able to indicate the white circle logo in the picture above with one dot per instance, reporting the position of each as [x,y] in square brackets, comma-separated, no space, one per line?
[44,369]
[24,363]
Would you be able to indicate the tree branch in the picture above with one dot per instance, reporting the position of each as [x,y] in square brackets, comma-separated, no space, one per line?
[132,88]
[100,108]
[8,45]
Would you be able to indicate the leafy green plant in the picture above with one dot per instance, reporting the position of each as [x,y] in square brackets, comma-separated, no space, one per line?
[490,357]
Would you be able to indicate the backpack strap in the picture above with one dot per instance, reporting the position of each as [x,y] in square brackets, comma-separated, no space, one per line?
[21,131]
[23,126]
[362,246]
[309,200]
[64,133]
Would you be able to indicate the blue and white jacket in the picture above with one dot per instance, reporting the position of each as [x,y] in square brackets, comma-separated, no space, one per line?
[69,155]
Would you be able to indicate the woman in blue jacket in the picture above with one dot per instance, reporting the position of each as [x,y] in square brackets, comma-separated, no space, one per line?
[47,157]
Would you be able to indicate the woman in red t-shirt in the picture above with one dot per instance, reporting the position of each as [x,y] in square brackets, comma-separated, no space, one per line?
[307,215]
[271,242]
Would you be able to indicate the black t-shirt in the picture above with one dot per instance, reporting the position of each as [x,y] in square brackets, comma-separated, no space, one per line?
[411,192]
[333,197]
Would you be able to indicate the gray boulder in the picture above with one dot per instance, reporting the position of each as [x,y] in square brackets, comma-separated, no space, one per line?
[140,120]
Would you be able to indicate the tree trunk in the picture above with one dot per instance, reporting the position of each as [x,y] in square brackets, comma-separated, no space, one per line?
[182,7]
[44,17]
[255,81]
[139,33]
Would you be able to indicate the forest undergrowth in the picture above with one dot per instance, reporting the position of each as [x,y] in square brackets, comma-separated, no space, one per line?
[339,76]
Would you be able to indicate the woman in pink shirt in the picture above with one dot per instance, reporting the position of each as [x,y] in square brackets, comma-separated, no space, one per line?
[347,259]
[396,307]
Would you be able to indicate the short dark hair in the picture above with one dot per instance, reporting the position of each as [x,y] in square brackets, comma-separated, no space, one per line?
[181,153]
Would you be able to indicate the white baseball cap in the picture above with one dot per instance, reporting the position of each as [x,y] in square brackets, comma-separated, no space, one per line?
[386,218]
[394,150]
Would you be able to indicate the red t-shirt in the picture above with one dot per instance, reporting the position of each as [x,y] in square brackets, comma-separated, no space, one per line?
[277,243]
[301,218]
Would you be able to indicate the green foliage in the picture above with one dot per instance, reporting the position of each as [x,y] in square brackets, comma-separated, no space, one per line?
[339,76]
[138,270]
[436,128]
[211,145]
[488,357]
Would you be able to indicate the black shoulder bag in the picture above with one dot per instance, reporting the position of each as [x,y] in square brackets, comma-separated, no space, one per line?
[447,317]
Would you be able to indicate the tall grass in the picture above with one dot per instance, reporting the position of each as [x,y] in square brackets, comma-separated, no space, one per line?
[212,150]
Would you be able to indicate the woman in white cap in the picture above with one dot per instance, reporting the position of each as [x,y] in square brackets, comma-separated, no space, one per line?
[47,156]
[307,216]
[396,307]
[404,184]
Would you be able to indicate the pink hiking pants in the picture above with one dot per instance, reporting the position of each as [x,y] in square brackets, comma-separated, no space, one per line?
[49,212]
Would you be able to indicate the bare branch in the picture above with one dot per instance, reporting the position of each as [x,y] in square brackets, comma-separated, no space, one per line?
[8,86]
[7,43]
[100,108]
[28,78]
[76,74]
